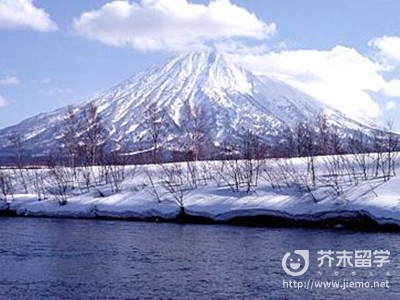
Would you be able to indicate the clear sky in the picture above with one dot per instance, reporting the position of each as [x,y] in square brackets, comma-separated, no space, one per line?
[54,53]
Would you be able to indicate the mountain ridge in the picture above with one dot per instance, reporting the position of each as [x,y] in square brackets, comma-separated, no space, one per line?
[232,101]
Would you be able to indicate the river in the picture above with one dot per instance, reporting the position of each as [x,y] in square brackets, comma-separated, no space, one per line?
[96,259]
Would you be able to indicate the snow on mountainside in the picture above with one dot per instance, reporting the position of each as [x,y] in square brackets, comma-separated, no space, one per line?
[232,100]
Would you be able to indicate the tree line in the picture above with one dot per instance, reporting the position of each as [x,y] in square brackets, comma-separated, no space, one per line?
[86,160]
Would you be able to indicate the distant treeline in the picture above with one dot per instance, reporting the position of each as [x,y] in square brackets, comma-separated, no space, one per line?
[83,141]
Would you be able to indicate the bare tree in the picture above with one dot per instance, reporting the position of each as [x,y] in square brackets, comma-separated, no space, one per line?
[251,160]
[288,147]
[173,181]
[18,146]
[153,186]
[306,146]
[391,144]
[7,188]
[230,173]
[195,129]
[335,145]
[115,171]
[38,184]
[333,177]
[94,135]
[323,133]
[270,175]
[85,177]
[59,184]
[70,139]
[295,178]
[155,118]
[360,152]
[378,148]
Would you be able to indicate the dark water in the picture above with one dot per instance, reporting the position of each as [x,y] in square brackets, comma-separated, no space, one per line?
[81,259]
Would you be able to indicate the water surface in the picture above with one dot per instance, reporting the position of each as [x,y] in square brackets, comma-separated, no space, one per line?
[84,259]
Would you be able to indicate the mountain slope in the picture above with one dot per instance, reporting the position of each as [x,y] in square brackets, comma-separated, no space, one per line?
[227,100]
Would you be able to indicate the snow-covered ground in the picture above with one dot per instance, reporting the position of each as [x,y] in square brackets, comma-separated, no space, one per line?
[208,189]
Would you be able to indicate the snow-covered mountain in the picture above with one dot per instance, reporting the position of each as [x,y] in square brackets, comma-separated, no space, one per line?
[224,99]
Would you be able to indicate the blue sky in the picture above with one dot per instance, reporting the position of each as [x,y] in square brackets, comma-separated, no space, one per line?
[346,53]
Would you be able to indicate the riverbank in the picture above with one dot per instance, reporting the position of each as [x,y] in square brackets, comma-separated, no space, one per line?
[283,195]
[344,220]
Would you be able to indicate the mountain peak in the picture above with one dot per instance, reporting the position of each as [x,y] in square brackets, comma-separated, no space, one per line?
[201,59]
[210,56]
[211,69]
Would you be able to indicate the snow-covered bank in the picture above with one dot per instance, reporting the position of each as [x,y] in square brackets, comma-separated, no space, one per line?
[152,192]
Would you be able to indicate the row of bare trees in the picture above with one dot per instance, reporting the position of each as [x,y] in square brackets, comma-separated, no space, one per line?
[83,140]
[176,180]
[331,158]
[60,182]
[83,137]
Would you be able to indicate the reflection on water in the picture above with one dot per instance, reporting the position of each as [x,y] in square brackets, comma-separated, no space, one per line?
[75,259]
